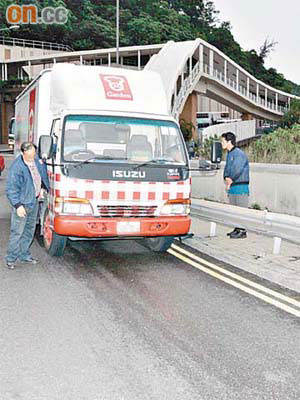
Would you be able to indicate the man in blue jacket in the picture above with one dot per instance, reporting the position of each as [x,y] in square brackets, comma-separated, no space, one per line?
[236,177]
[26,178]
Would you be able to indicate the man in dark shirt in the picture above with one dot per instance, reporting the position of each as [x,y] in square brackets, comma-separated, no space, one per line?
[236,177]
[27,176]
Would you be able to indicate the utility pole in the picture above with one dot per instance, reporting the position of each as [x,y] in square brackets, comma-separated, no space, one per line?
[117,32]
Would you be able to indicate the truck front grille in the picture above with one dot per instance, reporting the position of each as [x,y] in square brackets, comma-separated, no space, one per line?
[126,211]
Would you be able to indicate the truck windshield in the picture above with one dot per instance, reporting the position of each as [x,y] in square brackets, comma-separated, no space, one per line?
[120,139]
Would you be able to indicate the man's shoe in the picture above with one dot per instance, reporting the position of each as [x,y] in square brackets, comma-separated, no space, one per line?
[234,231]
[240,234]
[30,261]
[10,265]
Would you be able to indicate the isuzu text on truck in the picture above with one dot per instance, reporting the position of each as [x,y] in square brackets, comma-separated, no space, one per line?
[117,162]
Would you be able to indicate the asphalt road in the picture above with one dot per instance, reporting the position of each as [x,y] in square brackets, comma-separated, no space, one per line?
[113,321]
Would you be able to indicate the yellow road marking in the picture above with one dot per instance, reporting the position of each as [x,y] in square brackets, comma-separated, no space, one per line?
[231,282]
[238,277]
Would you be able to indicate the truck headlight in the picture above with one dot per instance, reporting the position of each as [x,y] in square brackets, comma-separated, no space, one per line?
[176,207]
[69,205]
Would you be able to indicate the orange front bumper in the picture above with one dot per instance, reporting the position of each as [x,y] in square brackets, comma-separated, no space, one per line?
[91,227]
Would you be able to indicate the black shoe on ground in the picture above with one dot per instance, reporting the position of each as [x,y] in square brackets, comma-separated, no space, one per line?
[240,234]
[235,230]
[10,265]
[29,261]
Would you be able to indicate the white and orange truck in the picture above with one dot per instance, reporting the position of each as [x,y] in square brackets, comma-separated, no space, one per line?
[117,162]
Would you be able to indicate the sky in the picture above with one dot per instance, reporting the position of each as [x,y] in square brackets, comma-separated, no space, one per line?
[255,20]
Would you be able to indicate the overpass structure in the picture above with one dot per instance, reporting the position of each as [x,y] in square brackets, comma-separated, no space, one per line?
[187,69]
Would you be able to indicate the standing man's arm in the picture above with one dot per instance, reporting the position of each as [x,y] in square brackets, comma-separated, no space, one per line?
[227,174]
[13,192]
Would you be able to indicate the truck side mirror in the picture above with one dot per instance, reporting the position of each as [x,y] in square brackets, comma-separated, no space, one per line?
[216,153]
[45,147]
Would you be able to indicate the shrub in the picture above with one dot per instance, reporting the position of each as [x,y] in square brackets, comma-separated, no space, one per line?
[281,147]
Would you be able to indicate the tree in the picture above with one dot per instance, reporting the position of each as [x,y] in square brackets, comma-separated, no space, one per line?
[266,48]
[292,116]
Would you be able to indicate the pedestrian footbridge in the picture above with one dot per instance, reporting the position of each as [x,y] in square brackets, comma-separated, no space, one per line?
[196,66]
[187,69]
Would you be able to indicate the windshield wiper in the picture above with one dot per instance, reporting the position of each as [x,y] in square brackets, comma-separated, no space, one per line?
[154,161]
[87,161]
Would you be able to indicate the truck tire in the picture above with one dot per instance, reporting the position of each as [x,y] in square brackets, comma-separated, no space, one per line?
[159,244]
[54,244]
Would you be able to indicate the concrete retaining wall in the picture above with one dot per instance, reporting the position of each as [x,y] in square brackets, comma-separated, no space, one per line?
[242,129]
[272,186]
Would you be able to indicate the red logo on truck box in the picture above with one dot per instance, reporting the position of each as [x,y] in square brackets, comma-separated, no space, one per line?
[31,116]
[116,87]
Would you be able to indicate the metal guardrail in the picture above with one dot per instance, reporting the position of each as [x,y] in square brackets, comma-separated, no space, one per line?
[36,44]
[264,222]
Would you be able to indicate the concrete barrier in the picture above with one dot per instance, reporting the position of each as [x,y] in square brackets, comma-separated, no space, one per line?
[272,186]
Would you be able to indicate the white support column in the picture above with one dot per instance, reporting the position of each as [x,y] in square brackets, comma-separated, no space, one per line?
[29,69]
[139,60]
[257,93]
[237,79]
[81,60]
[5,72]
[289,103]
[225,71]
[109,59]
[2,72]
[248,86]
[266,97]
[122,60]
[54,60]
[276,99]
[201,58]
[21,72]
[211,62]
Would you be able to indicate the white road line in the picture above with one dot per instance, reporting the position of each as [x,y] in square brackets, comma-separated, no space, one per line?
[238,277]
[229,281]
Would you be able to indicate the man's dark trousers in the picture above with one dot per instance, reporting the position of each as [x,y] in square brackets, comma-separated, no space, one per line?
[21,234]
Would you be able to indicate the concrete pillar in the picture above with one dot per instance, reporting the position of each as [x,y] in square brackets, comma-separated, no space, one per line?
[211,62]
[109,59]
[225,71]
[266,97]
[201,58]
[247,117]
[81,60]
[289,102]
[139,60]
[5,72]
[276,100]
[237,79]
[7,111]
[189,112]
[257,93]
[248,86]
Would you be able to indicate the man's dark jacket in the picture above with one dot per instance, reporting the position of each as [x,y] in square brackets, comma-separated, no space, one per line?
[20,189]
[237,166]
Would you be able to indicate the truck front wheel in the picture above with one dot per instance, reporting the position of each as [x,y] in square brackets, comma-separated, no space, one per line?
[54,244]
[159,244]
